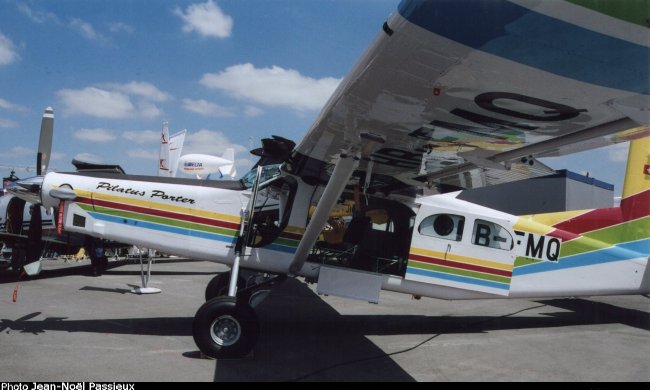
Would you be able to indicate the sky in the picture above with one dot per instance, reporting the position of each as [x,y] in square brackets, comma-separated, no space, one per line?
[229,71]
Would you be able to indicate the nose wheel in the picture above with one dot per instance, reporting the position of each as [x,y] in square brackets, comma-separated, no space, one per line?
[225,328]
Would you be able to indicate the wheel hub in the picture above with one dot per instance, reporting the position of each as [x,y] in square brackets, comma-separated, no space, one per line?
[225,330]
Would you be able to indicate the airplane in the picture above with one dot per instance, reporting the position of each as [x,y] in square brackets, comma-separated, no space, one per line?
[25,235]
[170,150]
[449,95]
[199,165]
[17,218]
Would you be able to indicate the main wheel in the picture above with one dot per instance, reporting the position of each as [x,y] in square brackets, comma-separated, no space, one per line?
[219,285]
[225,328]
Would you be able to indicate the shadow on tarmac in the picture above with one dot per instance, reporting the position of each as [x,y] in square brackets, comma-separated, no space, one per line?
[7,276]
[303,338]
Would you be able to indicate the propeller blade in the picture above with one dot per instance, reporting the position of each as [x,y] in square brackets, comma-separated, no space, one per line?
[45,141]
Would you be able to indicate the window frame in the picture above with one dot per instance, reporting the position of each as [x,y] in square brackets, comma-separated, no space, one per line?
[456,234]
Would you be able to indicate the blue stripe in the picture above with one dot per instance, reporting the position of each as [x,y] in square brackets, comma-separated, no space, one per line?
[162,228]
[280,248]
[528,37]
[181,231]
[620,252]
[456,278]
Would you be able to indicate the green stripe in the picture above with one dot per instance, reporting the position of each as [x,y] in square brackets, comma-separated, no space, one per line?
[522,261]
[580,245]
[286,242]
[161,220]
[633,11]
[626,232]
[461,272]
[606,237]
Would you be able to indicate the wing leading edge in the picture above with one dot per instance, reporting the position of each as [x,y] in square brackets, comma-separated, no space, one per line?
[450,91]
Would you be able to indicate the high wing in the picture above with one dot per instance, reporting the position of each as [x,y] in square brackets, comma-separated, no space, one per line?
[469,93]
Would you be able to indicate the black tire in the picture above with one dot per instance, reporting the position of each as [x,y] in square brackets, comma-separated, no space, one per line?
[225,328]
[218,287]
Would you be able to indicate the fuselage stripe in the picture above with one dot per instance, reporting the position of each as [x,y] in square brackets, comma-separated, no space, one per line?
[163,228]
[160,213]
[454,264]
[457,278]
[621,252]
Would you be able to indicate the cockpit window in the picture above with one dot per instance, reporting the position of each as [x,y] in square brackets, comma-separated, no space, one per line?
[268,172]
[447,226]
[272,210]
[491,235]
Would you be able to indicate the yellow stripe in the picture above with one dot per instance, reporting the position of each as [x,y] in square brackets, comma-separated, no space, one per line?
[158,206]
[638,155]
[543,223]
[461,259]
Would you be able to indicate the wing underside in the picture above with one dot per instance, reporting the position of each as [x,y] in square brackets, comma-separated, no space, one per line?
[470,93]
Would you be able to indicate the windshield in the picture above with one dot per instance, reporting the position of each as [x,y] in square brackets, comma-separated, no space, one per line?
[268,172]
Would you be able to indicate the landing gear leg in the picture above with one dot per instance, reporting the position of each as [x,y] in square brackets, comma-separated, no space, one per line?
[220,284]
[252,287]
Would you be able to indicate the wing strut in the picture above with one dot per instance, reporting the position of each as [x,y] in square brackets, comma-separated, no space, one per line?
[344,167]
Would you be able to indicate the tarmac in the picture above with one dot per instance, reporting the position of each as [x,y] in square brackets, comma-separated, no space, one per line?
[67,325]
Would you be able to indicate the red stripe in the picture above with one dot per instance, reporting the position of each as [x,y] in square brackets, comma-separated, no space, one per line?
[633,207]
[563,235]
[636,206]
[592,220]
[160,213]
[453,264]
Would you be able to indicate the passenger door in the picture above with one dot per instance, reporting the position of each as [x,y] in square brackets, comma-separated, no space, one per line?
[460,249]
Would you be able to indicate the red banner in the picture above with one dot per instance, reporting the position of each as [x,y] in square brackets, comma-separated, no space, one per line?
[59,220]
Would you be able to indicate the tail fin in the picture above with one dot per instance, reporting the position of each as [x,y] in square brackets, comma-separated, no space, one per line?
[228,170]
[635,202]
[175,148]
[163,156]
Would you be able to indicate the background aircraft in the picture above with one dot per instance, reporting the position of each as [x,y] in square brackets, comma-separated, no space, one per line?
[199,165]
[27,236]
[18,217]
[432,103]
[171,148]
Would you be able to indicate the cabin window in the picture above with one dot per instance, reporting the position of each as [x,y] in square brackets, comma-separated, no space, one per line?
[446,226]
[491,235]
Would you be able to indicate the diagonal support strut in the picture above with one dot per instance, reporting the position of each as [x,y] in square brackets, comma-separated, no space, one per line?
[345,165]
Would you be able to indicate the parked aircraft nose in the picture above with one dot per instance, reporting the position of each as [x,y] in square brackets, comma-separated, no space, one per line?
[27,189]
